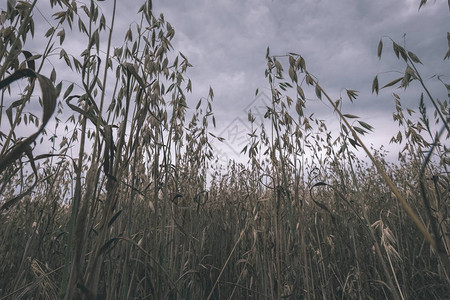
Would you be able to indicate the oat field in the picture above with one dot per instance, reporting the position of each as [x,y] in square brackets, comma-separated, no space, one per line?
[128,201]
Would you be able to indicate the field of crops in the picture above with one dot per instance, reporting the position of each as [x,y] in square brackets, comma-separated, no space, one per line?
[129,202]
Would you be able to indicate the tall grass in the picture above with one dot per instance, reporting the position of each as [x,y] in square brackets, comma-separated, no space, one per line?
[120,208]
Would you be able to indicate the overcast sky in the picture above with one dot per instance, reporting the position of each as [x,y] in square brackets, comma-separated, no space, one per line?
[226,42]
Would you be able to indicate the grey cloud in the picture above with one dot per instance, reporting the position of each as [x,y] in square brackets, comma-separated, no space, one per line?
[226,41]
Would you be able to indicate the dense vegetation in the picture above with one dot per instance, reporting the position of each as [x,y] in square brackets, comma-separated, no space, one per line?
[120,207]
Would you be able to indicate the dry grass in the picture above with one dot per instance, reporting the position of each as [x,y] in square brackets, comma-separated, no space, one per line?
[121,209]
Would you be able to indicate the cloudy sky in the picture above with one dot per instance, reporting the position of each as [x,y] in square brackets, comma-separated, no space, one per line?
[226,42]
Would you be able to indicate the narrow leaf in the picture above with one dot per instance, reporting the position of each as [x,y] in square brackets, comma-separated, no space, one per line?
[447,55]
[318,92]
[375,85]
[414,57]
[30,60]
[130,68]
[395,47]
[352,94]
[108,245]
[392,82]
[353,142]
[365,125]
[300,92]
[116,215]
[380,49]
[48,103]
[292,74]
[62,36]
[422,3]
[350,116]
[68,91]
[309,79]
[291,61]
[359,130]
